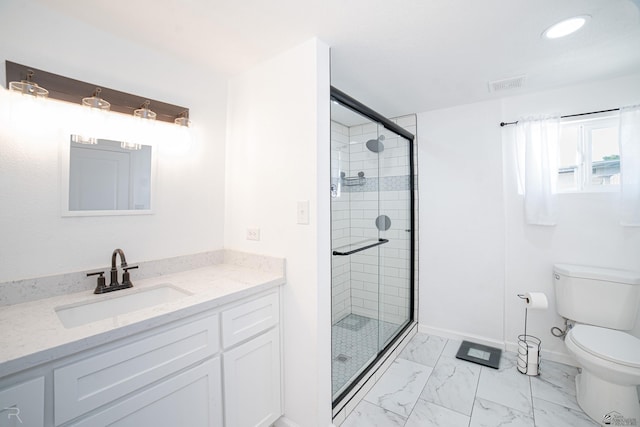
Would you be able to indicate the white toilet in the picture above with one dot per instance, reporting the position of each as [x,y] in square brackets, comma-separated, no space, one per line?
[602,302]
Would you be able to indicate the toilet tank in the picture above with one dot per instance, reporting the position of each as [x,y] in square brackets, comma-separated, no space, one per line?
[597,296]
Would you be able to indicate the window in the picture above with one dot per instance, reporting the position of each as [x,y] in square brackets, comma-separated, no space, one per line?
[589,154]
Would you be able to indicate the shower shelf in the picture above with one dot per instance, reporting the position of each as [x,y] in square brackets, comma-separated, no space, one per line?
[350,181]
[362,248]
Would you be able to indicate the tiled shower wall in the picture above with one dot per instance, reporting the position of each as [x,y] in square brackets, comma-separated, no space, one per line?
[357,288]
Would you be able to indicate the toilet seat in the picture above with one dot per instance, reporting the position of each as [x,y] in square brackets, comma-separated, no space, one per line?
[609,344]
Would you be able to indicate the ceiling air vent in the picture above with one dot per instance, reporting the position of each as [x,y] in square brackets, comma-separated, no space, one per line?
[507,84]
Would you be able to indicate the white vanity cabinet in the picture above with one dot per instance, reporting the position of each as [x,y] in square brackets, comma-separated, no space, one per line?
[219,367]
[23,404]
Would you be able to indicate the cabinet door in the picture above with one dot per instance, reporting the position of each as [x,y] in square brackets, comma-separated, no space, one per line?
[23,404]
[252,382]
[192,398]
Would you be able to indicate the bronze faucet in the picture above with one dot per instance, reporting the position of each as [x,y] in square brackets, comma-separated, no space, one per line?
[102,288]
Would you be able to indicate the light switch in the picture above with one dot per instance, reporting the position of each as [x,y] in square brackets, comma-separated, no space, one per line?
[303,212]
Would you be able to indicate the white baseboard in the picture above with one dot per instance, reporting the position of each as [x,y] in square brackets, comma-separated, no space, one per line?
[285,422]
[455,335]
[553,356]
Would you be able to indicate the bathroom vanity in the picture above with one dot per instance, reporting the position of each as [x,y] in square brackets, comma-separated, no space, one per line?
[211,357]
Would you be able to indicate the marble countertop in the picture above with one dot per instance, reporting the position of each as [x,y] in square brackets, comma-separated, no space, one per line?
[31,333]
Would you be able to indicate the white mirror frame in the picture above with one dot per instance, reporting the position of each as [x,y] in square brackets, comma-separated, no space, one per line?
[64,163]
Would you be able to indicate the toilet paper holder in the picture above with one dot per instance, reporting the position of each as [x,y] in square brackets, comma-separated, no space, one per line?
[529,355]
[528,349]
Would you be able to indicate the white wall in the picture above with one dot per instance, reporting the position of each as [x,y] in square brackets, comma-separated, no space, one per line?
[461,221]
[278,134]
[36,240]
[476,251]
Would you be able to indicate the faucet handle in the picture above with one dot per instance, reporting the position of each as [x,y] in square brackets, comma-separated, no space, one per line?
[101,286]
[126,280]
[95,273]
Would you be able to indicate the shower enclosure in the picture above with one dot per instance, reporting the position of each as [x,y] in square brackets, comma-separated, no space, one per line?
[372,210]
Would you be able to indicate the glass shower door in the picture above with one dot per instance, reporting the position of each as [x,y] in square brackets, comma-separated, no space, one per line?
[394,225]
[371,242]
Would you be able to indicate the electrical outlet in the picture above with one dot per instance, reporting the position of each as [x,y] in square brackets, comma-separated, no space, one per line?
[253,234]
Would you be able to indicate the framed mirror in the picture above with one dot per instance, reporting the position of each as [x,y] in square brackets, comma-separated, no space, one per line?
[105,177]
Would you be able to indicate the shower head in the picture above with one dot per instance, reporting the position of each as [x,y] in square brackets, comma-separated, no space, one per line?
[376,145]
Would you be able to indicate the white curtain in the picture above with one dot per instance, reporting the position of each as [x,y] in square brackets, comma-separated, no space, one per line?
[630,165]
[537,147]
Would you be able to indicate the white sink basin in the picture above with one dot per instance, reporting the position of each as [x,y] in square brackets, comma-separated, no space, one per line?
[116,304]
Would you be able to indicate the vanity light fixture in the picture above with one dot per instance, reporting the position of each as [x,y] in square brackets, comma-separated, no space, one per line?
[94,101]
[130,146]
[144,112]
[566,27]
[78,139]
[28,87]
[183,119]
[19,78]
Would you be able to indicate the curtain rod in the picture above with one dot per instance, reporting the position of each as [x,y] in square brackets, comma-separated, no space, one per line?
[502,124]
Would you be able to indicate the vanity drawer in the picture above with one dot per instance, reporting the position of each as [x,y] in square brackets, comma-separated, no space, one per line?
[92,382]
[249,319]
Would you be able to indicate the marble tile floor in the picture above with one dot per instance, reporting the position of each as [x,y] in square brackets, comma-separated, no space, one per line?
[426,386]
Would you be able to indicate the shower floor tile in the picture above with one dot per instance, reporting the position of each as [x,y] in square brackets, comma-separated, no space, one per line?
[354,344]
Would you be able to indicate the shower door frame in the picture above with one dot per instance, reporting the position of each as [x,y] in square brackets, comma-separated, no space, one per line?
[355,105]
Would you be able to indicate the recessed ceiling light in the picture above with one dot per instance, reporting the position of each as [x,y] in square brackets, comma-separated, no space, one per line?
[566,27]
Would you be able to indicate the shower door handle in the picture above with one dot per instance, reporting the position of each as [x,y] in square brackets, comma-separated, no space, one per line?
[353,251]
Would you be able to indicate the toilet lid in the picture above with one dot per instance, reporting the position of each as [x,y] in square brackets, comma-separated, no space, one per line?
[608,344]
